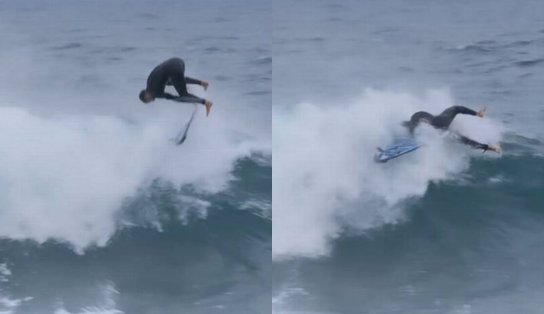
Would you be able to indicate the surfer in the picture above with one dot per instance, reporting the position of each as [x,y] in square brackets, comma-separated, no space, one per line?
[172,72]
[443,121]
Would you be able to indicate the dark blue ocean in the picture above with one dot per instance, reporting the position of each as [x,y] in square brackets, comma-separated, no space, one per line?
[99,211]
[445,229]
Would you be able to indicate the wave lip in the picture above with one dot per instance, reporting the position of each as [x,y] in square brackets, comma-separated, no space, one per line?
[65,177]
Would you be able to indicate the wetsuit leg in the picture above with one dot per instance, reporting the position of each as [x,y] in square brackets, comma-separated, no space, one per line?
[178,78]
[444,119]
[179,81]
[184,95]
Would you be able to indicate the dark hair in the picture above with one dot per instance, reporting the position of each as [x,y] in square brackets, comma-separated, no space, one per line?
[142,95]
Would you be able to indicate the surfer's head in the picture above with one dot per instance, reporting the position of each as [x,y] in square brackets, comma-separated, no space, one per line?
[410,126]
[418,117]
[146,96]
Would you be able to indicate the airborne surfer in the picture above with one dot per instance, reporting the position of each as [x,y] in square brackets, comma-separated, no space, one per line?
[172,72]
[443,121]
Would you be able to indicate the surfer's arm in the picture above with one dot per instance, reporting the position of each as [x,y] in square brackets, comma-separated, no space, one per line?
[202,83]
[184,98]
[472,143]
[191,80]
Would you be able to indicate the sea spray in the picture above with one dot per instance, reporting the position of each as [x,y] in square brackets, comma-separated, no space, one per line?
[325,178]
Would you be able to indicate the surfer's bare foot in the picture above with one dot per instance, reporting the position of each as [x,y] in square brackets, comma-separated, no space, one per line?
[205,85]
[208,105]
[481,113]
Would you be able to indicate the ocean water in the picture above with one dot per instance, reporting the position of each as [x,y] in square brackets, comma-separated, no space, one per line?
[99,211]
[445,229]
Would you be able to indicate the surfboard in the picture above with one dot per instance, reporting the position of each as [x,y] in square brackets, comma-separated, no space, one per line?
[400,146]
[182,136]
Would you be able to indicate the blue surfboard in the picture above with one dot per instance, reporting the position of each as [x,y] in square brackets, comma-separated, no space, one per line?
[399,147]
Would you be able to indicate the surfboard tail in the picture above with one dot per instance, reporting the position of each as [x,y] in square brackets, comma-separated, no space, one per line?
[186,130]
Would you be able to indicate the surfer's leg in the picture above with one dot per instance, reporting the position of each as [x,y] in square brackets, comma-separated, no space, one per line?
[180,84]
[185,96]
[445,118]
[178,80]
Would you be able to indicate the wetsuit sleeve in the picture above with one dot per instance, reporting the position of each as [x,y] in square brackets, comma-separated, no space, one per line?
[464,110]
[185,98]
[191,80]
[467,141]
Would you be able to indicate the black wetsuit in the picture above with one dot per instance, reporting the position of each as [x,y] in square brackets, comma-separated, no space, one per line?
[443,121]
[172,72]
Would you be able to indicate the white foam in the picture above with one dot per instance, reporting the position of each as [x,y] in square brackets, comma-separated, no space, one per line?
[65,176]
[324,176]
[8,305]
[76,141]
[5,272]
[108,305]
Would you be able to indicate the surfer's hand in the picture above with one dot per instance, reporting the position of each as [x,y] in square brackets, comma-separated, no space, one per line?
[208,105]
[205,85]
[497,149]
[481,113]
